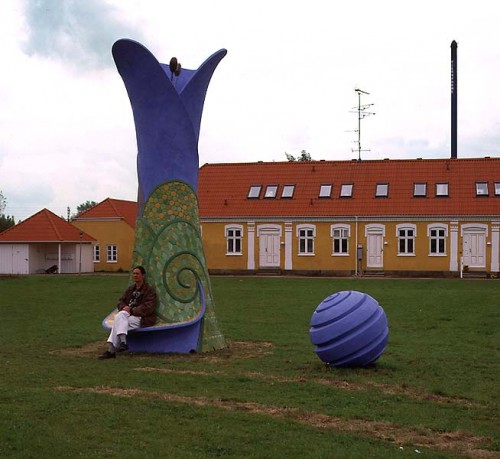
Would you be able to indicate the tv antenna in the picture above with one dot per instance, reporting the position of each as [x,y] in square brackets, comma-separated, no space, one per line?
[362,111]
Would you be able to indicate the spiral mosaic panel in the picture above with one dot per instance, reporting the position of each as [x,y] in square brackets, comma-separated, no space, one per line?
[168,244]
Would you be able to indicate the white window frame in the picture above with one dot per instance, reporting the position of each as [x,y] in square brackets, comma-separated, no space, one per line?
[305,233]
[96,253]
[402,235]
[437,227]
[230,236]
[345,234]
[111,253]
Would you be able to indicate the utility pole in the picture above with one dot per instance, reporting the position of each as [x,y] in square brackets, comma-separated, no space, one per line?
[362,112]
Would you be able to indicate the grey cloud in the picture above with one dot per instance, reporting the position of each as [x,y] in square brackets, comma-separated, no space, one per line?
[80,32]
[24,200]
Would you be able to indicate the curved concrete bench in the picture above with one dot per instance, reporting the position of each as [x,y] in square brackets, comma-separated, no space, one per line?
[182,337]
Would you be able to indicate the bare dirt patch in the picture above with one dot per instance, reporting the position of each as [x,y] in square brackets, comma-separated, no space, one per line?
[459,442]
[235,350]
[414,393]
[239,350]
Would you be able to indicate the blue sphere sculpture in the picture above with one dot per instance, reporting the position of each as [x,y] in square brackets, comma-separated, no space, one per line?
[349,329]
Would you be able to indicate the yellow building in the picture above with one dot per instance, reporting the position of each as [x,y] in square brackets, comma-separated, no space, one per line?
[436,217]
[112,224]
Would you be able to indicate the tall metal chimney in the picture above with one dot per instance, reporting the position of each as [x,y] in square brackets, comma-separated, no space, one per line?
[454,90]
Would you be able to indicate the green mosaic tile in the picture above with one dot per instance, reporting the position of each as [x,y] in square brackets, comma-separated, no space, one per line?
[168,244]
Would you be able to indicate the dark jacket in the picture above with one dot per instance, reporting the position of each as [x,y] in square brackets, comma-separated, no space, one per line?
[142,303]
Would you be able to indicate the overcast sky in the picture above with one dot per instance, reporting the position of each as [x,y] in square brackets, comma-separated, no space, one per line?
[287,84]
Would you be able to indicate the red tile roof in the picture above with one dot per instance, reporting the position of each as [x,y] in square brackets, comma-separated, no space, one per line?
[44,226]
[112,209]
[223,188]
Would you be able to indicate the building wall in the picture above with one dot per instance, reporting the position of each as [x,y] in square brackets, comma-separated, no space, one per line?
[214,246]
[476,241]
[37,257]
[110,233]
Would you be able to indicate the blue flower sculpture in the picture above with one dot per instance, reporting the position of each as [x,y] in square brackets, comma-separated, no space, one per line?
[167,107]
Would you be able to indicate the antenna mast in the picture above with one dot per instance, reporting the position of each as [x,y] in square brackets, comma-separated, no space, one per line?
[362,112]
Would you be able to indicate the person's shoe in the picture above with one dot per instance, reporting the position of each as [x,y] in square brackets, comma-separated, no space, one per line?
[107,355]
[122,347]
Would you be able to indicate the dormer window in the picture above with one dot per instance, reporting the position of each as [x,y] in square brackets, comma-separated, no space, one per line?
[346,190]
[254,192]
[382,190]
[481,188]
[420,190]
[325,191]
[287,192]
[271,191]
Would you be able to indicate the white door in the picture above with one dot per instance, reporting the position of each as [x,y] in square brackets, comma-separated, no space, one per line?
[474,248]
[14,259]
[374,251]
[269,249]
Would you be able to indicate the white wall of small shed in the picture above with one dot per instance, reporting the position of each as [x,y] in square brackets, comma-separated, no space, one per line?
[14,259]
[37,257]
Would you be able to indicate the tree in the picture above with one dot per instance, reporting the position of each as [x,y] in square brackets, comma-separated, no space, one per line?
[6,222]
[304,156]
[83,207]
[3,203]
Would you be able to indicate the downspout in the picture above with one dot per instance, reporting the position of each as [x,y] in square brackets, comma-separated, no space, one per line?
[356,250]
[59,258]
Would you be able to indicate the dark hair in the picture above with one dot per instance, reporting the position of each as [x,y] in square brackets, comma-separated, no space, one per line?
[141,269]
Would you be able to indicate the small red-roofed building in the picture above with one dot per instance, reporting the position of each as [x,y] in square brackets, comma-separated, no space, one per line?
[112,224]
[45,243]
[435,217]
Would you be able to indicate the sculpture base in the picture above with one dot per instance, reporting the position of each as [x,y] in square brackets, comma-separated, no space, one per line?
[182,338]
[165,339]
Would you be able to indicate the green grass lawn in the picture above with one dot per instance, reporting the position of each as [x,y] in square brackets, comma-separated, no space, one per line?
[433,393]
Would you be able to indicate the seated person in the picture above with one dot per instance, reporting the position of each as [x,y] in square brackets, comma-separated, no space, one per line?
[137,308]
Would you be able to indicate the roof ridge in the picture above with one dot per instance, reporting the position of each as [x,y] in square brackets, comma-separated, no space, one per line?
[120,200]
[11,228]
[112,204]
[344,161]
[50,216]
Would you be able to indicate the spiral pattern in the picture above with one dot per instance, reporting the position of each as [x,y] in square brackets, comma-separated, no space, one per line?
[168,244]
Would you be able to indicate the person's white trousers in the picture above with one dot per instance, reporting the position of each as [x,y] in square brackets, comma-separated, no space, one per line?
[123,323]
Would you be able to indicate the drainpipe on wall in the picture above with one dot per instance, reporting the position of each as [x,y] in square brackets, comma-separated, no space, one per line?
[80,258]
[356,252]
[59,258]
